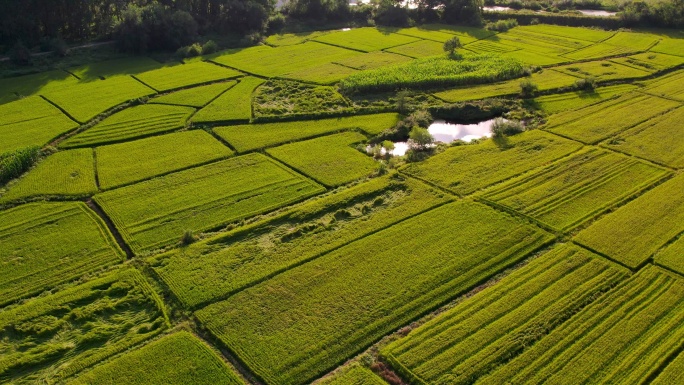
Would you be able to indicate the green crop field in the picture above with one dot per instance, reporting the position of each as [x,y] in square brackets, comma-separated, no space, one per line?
[354,374]
[66,173]
[365,39]
[574,190]
[466,169]
[373,60]
[669,86]
[330,160]
[603,70]
[117,67]
[197,97]
[44,244]
[650,61]
[670,46]
[59,335]
[326,74]
[125,163]
[619,44]
[671,256]
[317,319]
[573,100]
[15,88]
[132,123]
[256,136]
[444,32]
[234,104]
[228,263]
[84,101]
[470,340]
[179,358]
[184,75]
[419,49]
[621,338]
[200,199]
[597,122]
[31,122]
[284,39]
[593,35]
[672,373]
[636,231]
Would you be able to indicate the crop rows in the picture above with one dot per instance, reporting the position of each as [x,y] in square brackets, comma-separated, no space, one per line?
[365,39]
[619,44]
[353,374]
[179,76]
[650,61]
[233,105]
[669,86]
[671,256]
[197,97]
[603,70]
[577,99]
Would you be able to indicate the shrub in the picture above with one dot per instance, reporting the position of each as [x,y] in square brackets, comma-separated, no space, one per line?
[420,138]
[527,88]
[587,84]
[188,238]
[19,54]
[276,23]
[502,127]
[502,25]
[209,47]
[451,45]
[15,163]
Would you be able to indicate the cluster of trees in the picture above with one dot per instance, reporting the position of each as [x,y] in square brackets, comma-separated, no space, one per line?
[660,14]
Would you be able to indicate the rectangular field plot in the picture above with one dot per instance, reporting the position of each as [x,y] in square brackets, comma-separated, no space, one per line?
[670,46]
[330,159]
[672,373]
[466,169]
[125,163]
[54,337]
[66,173]
[233,105]
[44,244]
[498,324]
[31,122]
[600,121]
[132,123]
[603,70]
[353,374]
[618,44]
[621,338]
[593,35]
[211,270]
[197,97]
[283,39]
[156,213]
[527,35]
[660,140]
[270,62]
[317,318]
[545,46]
[443,32]
[365,39]
[373,60]
[669,86]
[117,67]
[577,99]
[84,101]
[325,74]
[536,58]
[419,49]
[176,359]
[672,257]
[15,88]
[650,61]
[572,191]
[178,76]
[251,137]
[633,233]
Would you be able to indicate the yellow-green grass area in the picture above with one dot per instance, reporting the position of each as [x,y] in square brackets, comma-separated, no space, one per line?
[635,232]
[117,67]
[326,74]
[550,46]
[593,35]
[534,36]
[419,49]
[670,46]
[574,190]
[597,122]
[213,269]
[317,319]
[197,97]
[283,39]
[31,122]
[126,163]
[84,101]
[330,160]
[45,244]
[352,374]
[470,340]
[577,99]
[365,39]
[536,58]
[466,169]
[14,88]
[251,137]
[66,173]
[201,199]
[443,32]
[490,45]
[184,75]
[233,105]
[621,338]
[545,80]
[672,372]
[270,62]
[132,123]
[373,60]
[619,44]
[672,257]
[650,61]
[53,337]
[603,70]
[658,140]
[669,86]
[179,358]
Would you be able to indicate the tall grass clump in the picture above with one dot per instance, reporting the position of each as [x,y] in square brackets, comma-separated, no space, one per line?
[502,25]
[13,164]
[502,127]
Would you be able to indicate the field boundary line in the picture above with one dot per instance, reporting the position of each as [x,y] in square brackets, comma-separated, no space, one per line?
[237,69]
[63,111]
[515,213]
[339,46]
[611,259]
[663,365]
[118,238]
[145,84]
[97,175]
[189,87]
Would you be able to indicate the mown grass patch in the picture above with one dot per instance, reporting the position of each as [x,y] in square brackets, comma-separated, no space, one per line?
[669,86]
[84,101]
[117,67]
[201,199]
[197,97]
[45,244]
[54,337]
[472,339]
[330,159]
[622,337]
[577,99]
[419,49]
[132,123]
[365,39]
[125,163]
[15,88]
[317,319]
[179,358]
[66,173]
[353,374]
[634,232]
[31,122]
[183,75]
[466,169]
[572,191]
[211,270]
[603,70]
[251,137]
[233,105]
[597,122]
[277,98]
[373,60]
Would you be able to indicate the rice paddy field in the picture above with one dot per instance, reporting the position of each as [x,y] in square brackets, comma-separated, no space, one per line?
[277,214]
